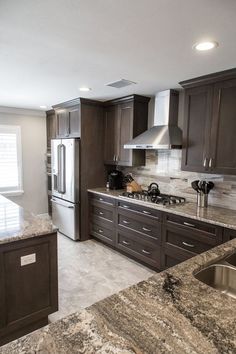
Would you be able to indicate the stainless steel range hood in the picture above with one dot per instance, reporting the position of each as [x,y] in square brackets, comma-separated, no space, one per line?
[165,134]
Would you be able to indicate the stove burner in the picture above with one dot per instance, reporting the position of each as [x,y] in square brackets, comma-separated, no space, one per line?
[164,199]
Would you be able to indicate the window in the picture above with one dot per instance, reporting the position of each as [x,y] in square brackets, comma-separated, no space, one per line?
[10,160]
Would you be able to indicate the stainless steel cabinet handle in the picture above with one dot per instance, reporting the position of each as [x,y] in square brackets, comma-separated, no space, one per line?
[125,222]
[188,244]
[126,243]
[100,231]
[146,252]
[101,213]
[114,158]
[188,224]
[205,162]
[125,206]
[101,199]
[145,229]
[210,163]
[147,212]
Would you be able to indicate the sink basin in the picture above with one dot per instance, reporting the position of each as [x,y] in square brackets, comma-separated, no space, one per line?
[231,259]
[221,277]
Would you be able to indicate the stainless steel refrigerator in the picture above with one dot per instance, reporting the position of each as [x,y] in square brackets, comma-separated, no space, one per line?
[66,186]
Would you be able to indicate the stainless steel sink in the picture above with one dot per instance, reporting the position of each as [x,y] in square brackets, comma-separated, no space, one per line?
[231,259]
[221,277]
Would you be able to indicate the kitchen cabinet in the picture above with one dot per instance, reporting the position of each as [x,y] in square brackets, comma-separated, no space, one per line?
[68,122]
[210,124]
[153,237]
[50,126]
[28,282]
[125,118]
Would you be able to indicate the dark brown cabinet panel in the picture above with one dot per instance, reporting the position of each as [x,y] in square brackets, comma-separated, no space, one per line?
[74,122]
[111,138]
[223,143]
[196,130]
[51,127]
[125,118]
[210,124]
[62,123]
[29,285]
[229,235]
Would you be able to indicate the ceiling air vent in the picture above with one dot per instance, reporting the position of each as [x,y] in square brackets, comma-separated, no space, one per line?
[121,83]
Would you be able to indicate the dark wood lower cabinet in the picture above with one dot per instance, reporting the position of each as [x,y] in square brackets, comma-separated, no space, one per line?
[29,285]
[159,240]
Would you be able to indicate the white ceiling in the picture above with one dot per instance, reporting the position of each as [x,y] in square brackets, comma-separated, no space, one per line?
[50,48]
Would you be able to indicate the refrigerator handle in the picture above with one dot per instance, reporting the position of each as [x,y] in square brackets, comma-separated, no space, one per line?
[62,168]
[59,168]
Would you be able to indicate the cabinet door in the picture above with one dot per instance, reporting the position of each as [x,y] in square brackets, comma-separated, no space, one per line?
[111,135]
[74,122]
[196,135]
[125,112]
[62,124]
[223,143]
[51,128]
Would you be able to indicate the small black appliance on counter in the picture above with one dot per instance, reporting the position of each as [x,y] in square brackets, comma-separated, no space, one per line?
[115,179]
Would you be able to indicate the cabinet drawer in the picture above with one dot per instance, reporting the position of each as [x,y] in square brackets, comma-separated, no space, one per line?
[101,199]
[172,255]
[139,209]
[103,233]
[102,212]
[229,235]
[148,252]
[187,242]
[198,227]
[150,228]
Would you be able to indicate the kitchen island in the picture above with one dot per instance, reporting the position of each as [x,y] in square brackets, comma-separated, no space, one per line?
[28,271]
[171,312]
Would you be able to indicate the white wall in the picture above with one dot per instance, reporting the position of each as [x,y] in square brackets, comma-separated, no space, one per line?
[33,136]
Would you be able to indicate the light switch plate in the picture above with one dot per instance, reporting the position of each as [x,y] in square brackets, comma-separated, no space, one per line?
[28,259]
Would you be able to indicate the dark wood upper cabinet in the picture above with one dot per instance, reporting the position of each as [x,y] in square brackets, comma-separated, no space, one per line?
[62,124]
[125,118]
[197,128]
[74,122]
[209,143]
[51,126]
[111,134]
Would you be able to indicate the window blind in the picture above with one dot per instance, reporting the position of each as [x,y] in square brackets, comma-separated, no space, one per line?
[10,158]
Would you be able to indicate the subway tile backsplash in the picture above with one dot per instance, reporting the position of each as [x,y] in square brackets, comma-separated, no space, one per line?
[164,167]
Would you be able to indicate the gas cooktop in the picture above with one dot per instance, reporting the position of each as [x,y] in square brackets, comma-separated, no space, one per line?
[164,199]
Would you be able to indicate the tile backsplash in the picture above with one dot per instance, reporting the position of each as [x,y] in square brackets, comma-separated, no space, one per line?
[164,167]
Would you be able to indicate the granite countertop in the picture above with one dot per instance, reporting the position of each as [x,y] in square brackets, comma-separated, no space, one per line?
[213,215]
[171,312]
[17,223]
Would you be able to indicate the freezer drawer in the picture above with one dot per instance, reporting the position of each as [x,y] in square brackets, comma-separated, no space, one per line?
[66,218]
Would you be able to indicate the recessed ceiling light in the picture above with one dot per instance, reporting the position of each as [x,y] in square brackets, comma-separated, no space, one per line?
[201,46]
[43,107]
[85,89]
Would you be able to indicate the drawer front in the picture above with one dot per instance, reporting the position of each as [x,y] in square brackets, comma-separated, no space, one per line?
[150,228]
[187,242]
[139,209]
[190,224]
[102,212]
[102,232]
[229,235]
[102,199]
[148,252]
[172,255]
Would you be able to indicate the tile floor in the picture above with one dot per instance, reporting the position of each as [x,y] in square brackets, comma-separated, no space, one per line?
[89,271]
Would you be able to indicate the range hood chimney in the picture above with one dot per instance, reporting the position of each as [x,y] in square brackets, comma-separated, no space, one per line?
[165,134]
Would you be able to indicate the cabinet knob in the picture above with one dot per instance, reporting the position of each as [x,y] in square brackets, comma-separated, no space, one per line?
[100,231]
[101,213]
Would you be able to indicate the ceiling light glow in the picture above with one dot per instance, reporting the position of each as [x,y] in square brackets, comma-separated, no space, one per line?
[201,46]
[85,89]
[43,107]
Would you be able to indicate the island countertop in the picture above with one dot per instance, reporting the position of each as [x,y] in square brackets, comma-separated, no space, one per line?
[171,312]
[18,224]
[214,215]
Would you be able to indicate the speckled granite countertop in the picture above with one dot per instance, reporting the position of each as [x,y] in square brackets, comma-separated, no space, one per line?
[171,312]
[213,215]
[17,224]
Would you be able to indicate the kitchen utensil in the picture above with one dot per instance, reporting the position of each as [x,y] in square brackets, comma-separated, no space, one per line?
[153,190]
[194,185]
[131,184]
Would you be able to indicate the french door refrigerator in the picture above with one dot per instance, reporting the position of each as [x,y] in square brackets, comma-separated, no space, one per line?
[66,186]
